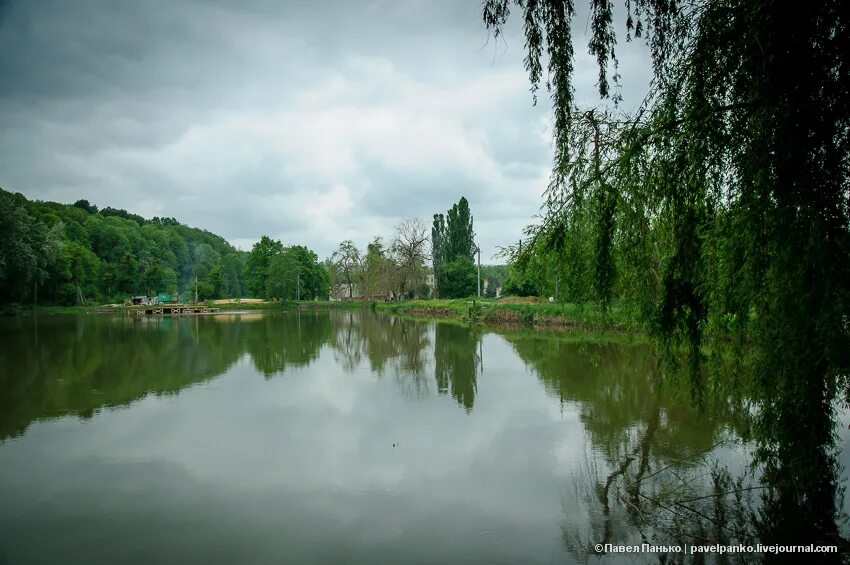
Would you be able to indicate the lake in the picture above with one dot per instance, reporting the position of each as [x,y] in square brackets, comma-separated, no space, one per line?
[351,437]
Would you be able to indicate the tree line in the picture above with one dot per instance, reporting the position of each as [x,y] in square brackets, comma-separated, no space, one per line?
[394,268]
[69,254]
[399,268]
[273,271]
[77,254]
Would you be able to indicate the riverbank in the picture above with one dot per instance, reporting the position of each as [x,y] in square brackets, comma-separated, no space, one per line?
[503,312]
[555,316]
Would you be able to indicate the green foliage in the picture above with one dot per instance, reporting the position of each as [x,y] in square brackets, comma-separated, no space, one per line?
[379,270]
[282,276]
[348,265]
[274,271]
[29,250]
[517,283]
[295,273]
[78,269]
[495,275]
[62,254]
[460,237]
[457,363]
[385,270]
[438,242]
[84,205]
[458,278]
[257,266]
[452,237]
[720,205]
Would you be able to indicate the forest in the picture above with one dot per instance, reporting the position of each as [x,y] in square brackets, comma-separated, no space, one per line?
[77,254]
[62,254]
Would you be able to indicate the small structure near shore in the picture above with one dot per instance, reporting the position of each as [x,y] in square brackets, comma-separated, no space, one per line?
[171,309]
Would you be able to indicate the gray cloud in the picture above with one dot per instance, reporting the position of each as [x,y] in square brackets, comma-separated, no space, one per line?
[307,121]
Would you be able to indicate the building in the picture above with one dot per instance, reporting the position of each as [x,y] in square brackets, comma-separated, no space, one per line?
[344,292]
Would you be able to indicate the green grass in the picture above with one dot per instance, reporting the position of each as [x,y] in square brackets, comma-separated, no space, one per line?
[554,316]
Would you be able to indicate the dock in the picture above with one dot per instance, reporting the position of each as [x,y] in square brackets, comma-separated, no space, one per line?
[170,310]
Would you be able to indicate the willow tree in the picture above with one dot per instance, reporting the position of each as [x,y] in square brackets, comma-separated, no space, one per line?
[721,204]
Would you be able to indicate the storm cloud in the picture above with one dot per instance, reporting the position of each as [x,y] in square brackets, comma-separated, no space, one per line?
[311,122]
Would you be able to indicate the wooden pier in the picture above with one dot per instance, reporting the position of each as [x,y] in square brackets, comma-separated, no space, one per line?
[170,310]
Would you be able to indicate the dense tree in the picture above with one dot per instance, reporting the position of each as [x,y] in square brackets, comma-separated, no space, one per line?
[438,247]
[274,271]
[458,278]
[257,265]
[84,205]
[282,276]
[315,283]
[153,277]
[519,281]
[230,275]
[460,237]
[28,249]
[77,272]
[452,237]
[73,254]
[720,205]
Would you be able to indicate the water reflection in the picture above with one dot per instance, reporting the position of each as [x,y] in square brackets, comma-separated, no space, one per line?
[60,365]
[276,343]
[457,362]
[527,435]
[64,365]
[671,474]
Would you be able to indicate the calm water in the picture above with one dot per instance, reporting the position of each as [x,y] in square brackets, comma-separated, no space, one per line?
[342,437]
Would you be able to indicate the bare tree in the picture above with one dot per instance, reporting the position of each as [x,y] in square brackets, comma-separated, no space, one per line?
[348,263]
[410,246]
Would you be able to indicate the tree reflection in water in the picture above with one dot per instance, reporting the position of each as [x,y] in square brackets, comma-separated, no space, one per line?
[656,468]
[665,477]
[457,362]
[388,345]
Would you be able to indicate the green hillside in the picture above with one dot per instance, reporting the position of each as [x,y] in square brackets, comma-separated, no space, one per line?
[66,254]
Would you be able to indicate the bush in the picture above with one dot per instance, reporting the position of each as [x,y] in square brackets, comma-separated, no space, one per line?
[458,279]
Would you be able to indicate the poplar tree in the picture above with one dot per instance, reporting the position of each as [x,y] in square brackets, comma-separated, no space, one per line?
[453,242]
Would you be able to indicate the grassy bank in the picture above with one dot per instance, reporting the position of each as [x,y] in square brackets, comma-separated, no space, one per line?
[501,312]
[505,312]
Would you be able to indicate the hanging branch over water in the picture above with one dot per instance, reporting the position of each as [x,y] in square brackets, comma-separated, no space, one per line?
[721,207]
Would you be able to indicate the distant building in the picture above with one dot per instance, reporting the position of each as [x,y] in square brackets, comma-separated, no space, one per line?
[343,291]
[485,288]
[144,301]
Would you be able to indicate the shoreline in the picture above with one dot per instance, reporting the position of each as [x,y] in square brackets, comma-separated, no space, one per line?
[556,317]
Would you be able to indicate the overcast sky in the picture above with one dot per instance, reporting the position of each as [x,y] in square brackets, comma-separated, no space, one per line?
[308,121]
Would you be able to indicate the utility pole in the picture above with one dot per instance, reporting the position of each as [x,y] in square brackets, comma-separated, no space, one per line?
[196,289]
[298,287]
[478,249]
